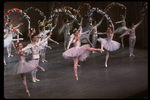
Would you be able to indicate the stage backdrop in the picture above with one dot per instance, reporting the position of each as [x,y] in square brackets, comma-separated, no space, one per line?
[134,14]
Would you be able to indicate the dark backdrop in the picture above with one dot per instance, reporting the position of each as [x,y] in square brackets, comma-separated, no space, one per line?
[134,14]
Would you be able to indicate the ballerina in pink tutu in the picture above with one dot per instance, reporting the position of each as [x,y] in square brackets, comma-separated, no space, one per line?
[108,43]
[23,67]
[78,52]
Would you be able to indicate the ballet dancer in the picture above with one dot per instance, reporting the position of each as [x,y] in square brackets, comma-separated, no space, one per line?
[121,29]
[34,46]
[108,43]
[23,67]
[44,46]
[78,52]
[66,28]
[87,27]
[8,41]
[132,36]
[94,32]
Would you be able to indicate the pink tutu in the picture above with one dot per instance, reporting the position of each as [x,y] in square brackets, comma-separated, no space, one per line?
[24,67]
[77,51]
[109,45]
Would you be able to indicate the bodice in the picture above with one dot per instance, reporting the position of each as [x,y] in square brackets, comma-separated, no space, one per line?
[123,23]
[77,43]
[132,33]
[22,59]
[109,37]
[67,28]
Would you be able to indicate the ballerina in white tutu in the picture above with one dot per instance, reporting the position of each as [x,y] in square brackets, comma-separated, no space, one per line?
[34,46]
[121,29]
[108,43]
[23,67]
[8,37]
[78,52]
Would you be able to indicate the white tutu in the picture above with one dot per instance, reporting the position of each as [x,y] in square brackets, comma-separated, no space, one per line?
[80,52]
[120,29]
[109,45]
[24,67]
[7,42]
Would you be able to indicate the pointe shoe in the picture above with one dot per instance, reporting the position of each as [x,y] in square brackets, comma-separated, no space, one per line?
[105,65]
[101,50]
[44,61]
[131,55]
[10,56]
[76,77]
[78,65]
[4,63]
[28,93]
[37,80]
[33,80]
[42,69]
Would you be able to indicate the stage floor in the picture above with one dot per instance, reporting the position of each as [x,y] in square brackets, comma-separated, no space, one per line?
[125,77]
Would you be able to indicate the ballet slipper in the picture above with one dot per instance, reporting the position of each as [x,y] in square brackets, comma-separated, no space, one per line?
[37,80]
[42,69]
[105,64]
[28,93]
[76,77]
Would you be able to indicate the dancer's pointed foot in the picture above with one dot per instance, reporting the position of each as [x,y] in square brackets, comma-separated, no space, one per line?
[76,77]
[42,69]
[4,63]
[105,64]
[44,61]
[28,93]
[101,50]
[37,80]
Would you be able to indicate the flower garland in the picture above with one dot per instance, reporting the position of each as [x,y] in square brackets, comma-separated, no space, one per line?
[100,12]
[116,4]
[34,8]
[6,15]
[145,6]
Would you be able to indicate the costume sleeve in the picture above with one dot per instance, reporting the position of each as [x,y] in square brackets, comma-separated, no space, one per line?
[119,22]
[71,39]
[135,26]
[100,22]
[27,47]
[44,40]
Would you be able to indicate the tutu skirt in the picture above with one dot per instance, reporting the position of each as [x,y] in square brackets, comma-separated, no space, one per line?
[120,29]
[109,45]
[24,67]
[80,52]
[7,42]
